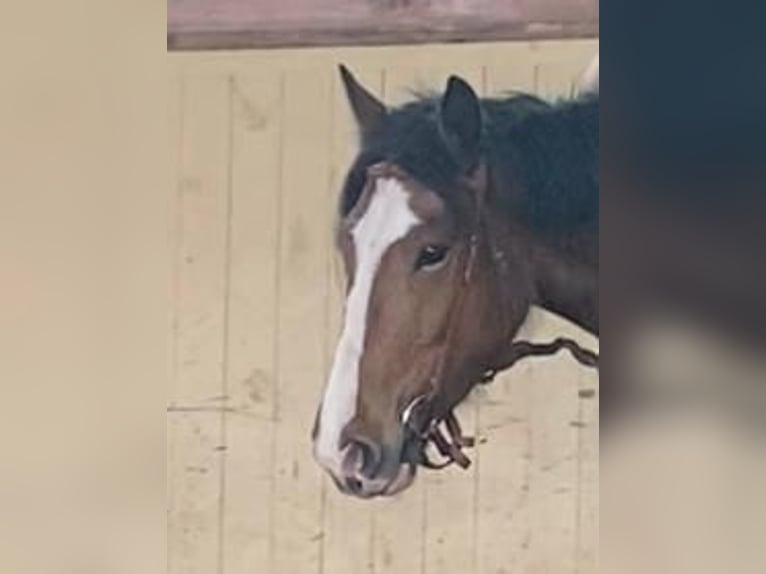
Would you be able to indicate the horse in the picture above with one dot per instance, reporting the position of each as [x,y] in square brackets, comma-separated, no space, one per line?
[457,216]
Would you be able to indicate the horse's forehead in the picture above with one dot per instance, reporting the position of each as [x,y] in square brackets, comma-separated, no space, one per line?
[426,203]
[395,192]
[388,214]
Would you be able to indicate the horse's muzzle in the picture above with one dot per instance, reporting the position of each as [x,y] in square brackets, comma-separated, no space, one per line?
[371,469]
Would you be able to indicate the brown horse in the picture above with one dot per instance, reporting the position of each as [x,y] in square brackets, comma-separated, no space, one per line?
[456,217]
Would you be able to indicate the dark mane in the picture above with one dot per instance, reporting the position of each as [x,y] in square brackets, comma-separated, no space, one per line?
[555,153]
[552,148]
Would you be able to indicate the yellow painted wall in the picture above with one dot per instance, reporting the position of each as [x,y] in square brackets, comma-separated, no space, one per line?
[260,142]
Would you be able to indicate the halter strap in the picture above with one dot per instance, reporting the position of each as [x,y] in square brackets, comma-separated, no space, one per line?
[443,429]
[449,446]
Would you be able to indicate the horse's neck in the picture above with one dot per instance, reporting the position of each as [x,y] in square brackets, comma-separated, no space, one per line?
[557,280]
[561,279]
[560,204]
[567,286]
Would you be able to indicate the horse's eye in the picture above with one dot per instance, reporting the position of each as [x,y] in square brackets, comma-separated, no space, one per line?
[431,257]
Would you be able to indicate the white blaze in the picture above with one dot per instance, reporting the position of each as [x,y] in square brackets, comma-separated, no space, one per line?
[388,218]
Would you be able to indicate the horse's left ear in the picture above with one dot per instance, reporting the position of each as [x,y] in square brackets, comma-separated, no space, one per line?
[460,121]
[369,112]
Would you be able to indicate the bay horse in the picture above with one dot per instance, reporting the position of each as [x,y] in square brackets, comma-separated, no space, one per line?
[457,215]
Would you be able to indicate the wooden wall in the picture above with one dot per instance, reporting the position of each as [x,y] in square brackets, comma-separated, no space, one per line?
[260,142]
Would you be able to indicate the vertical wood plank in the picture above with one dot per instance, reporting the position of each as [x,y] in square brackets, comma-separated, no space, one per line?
[194,414]
[505,426]
[505,455]
[398,542]
[554,478]
[175,143]
[256,98]
[193,492]
[559,67]
[451,531]
[508,70]
[176,138]
[587,558]
[560,64]
[203,221]
[447,529]
[348,524]
[297,526]
[553,472]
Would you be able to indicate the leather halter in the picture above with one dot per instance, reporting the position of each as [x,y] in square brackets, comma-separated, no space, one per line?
[429,429]
[418,417]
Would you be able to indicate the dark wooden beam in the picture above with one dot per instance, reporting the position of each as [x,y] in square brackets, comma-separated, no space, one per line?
[241,24]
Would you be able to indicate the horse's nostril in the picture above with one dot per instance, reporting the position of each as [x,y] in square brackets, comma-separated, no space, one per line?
[364,457]
[354,485]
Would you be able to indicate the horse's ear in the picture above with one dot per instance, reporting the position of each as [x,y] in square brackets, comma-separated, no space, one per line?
[369,112]
[460,121]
